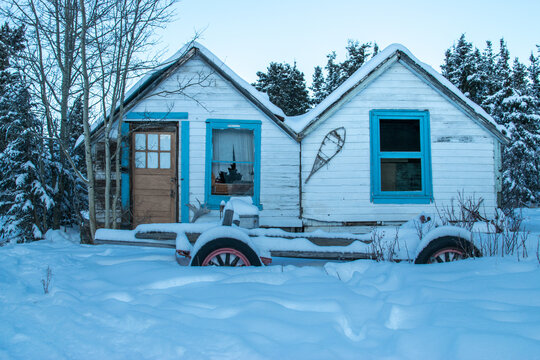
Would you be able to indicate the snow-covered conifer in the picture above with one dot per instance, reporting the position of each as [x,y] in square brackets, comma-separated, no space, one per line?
[317,86]
[24,195]
[285,86]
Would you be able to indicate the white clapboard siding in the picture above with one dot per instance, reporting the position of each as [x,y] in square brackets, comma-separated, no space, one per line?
[462,155]
[218,99]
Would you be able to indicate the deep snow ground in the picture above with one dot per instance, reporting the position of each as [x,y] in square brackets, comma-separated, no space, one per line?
[114,302]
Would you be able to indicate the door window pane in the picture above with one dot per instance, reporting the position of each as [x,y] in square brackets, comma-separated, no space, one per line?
[165,160]
[152,141]
[400,135]
[140,159]
[165,142]
[152,160]
[401,175]
[140,141]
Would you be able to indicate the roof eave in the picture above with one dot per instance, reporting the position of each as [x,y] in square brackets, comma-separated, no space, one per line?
[487,124]
[279,122]
[325,113]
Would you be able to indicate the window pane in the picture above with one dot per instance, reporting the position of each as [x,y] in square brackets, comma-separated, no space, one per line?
[401,175]
[232,179]
[152,141]
[400,135]
[152,160]
[165,160]
[232,145]
[165,142]
[140,141]
[140,159]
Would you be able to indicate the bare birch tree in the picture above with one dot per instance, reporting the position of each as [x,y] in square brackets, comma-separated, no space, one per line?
[120,44]
[94,48]
[53,66]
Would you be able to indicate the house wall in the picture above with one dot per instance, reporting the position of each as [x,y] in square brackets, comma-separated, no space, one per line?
[462,155]
[218,99]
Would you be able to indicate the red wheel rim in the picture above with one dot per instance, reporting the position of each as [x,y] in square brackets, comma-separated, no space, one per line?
[226,257]
[446,255]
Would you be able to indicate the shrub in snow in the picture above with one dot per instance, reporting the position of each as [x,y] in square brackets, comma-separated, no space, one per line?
[46,282]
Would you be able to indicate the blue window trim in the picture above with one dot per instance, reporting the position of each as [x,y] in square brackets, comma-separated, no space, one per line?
[425,196]
[213,201]
[156,115]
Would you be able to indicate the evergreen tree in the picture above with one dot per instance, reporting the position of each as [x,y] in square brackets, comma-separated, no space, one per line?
[75,193]
[461,66]
[501,84]
[490,84]
[23,192]
[534,75]
[521,158]
[336,72]
[509,94]
[333,74]
[375,49]
[317,86]
[286,87]
[357,55]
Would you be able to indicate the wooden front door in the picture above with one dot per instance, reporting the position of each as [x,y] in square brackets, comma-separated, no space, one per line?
[155,177]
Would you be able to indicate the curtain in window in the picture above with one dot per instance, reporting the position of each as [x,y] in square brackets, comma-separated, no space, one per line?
[225,141]
[232,161]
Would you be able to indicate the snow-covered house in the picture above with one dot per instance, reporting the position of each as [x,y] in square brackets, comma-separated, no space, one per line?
[413,141]
[390,142]
[196,133]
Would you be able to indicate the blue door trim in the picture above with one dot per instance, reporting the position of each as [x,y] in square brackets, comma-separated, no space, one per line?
[125,166]
[184,166]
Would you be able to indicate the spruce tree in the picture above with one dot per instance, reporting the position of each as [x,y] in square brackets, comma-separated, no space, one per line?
[75,197]
[461,66]
[338,72]
[534,75]
[24,194]
[286,87]
[317,86]
[521,159]
[333,73]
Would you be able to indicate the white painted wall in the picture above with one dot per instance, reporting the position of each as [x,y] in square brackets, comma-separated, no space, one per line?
[220,100]
[462,154]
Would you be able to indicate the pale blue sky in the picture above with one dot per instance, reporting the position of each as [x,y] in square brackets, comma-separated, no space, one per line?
[247,35]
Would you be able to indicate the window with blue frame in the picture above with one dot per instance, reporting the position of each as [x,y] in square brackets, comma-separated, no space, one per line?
[400,157]
[233,149]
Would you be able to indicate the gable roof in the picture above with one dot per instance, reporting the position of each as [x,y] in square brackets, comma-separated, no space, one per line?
[304,124]
[259,99]
[152,79]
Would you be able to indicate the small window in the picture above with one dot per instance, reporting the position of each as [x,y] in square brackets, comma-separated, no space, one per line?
[400,156]
[233,158]
[152,151]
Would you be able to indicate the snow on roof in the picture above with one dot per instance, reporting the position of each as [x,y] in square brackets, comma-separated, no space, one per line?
[152,75]
[262,97]
[301,122]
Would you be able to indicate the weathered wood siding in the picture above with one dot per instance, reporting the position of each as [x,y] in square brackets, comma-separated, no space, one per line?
[218,99]
[462,154]
[123,215]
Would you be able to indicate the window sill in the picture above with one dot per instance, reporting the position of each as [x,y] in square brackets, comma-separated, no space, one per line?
[214,202]
[401,199]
